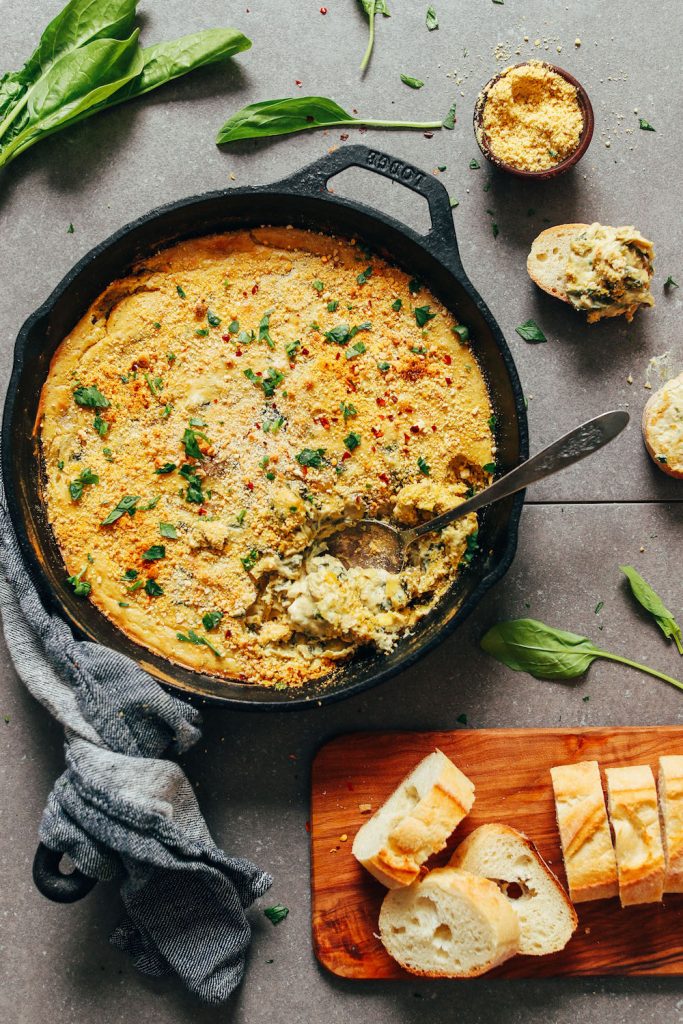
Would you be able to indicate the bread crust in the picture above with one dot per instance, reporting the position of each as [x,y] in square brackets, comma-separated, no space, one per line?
[465,858]
[651,414]
[482,894]
[589,858]
[634,814]
[670,786]
[421,832]
[543,266]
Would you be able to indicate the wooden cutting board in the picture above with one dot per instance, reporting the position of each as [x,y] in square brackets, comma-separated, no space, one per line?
[510,769]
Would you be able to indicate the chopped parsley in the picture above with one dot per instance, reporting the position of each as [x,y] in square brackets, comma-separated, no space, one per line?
[194,492]
[645,125]
[269,382]
[383,366]
[474,165]
[414,83]
[531,332]
[348,410]
[155,384]
[190,443]
[356,350]
[599,606]
[313,457]
[462,332]
[471,547]
[128,504]
[489,467]
[100,425]
[108,454]
[414,286]
[351,441]
[202,332]
[130,574]
[153,589]
[212,319]
[495,229]
[245,337]
[81,587]
[181,291]
[91,398]
[423,466]
[670,283]
[60,464]
[318,285]
[453,202]
[342,334]
[492,421]
[422,315]
[292,349]
[364,276]
[233,326]
[167,467]
[154,553]
[168,530]
[200,641]
[419,350]
[431,20]
[449,120]
[332,306]
[396,305]
[85,477]
[211,620]
[264,329]
[70,229]
[250,560]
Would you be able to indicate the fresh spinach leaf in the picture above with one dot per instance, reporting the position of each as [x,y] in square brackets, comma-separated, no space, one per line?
[652,602]
[531,332]
[372,8]
[431,20]
[414,83]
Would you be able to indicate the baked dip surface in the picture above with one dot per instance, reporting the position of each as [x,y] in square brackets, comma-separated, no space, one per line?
[218,413]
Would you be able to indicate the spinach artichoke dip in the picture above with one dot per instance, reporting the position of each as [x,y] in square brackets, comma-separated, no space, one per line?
[221,411]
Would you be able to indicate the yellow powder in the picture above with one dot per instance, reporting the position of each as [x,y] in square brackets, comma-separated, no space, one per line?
[532,119]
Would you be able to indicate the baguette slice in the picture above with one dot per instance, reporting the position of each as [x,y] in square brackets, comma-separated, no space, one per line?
[414,822]
[547,261]
[451,924]
[634,815]
[587,849]
[663,427]
[671,807]
[547,919]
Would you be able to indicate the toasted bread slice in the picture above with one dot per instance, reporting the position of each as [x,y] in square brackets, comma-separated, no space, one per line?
[451,924]
[634,814]
[547,261]
[670,784]
[415,821]
[547,919]
[663,427]
[587,849]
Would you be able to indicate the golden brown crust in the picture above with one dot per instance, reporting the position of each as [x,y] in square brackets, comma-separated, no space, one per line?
[587,849]
[657,408]
[634,815]
[670,785]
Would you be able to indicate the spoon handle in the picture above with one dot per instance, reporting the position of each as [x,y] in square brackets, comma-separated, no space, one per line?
[577,444]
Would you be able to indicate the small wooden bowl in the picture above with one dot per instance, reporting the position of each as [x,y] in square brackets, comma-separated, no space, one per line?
[548,172]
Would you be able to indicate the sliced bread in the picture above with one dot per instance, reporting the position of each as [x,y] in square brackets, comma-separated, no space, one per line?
[634,813]
[415,821]
[587,849]
[547,919]
[547,261]
[670,784]
[451,924]
[663,427]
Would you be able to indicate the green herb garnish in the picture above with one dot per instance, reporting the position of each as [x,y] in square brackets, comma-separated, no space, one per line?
[278,913]
[86,477]
[100,425]
[356,350]
[531,332]
[652,603]
[318,285]
[193,492]
[489,467]
[127,504]
[90,397]
[422,315]
[670,283]
[264,329]
[342,334]
[372,8]
[396,305]
[190,443]
[383,366]
[645,125]
[351,441]
[364,276]
[474,165]
[211,620]
[167,467]
[168,530]
[154,553]
[250,560]
[462,332]
[81,587]
[471,547]
[332,306]
[431,19]
[423,466]
[212,319]
[414,83]
[313,457]
[153,589]
[181,291]
[348,410]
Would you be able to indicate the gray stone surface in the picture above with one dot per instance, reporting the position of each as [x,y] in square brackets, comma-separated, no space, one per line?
[252,771]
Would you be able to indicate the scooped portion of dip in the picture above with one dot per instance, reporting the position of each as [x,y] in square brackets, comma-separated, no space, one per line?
[609,271]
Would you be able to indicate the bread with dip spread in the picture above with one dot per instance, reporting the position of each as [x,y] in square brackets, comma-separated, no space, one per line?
[663,427]
[547,919]
[587,849]
[415,821]
[602,270]
[634,814]
[670,785]
[451,924]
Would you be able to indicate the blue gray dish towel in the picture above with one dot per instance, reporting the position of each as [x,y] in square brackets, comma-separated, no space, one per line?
[120,811]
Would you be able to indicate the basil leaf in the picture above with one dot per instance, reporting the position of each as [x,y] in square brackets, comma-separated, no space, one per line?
[670,283]
[449,120]
[311,457]
[190,443]
[371,8]
[645,125]
[79,23]
[153,589]
[423,316]
[277,913]
[531,332]
[422,466]
[127,504]
[168,530]
[211,620]
[167,467]
[154,553]
[90,398]
[414,83]
[431,20]
[297,114]
[652,603]
[351,441]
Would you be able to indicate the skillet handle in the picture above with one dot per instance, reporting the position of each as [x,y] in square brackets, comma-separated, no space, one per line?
[440,239]
[55,886]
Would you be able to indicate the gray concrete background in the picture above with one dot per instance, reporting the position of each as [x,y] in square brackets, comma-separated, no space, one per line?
[252,771]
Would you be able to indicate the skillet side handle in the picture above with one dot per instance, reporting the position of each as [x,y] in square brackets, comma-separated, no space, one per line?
[55,886]
[440,239]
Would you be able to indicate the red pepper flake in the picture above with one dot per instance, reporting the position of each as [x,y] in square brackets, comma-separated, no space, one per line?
[434,427]
[245,294]
[324,422]
[254,289]
[383,477]
[258,426]
[345,456]
[304,352]
[381,401]
[406,438]
[376,431]
[338,355]
[297,82]
[308,826]
[250,486]
[414,429]
[202,512]
[447,360]
[448,380]
[344,137]
[228,634]
[323,10]
[238,352]
[428,135]
[225,337]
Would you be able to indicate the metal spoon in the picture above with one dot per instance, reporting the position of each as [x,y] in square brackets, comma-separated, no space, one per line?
[371,543]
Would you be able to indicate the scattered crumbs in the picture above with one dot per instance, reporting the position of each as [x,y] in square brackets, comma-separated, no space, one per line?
[232,177]
[659,370]
[629,379]
[364,808]
[502,52]
[577,42]
[343,837]
[642,549]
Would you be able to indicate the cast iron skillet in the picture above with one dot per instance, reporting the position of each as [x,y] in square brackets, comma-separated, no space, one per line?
[304,201]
